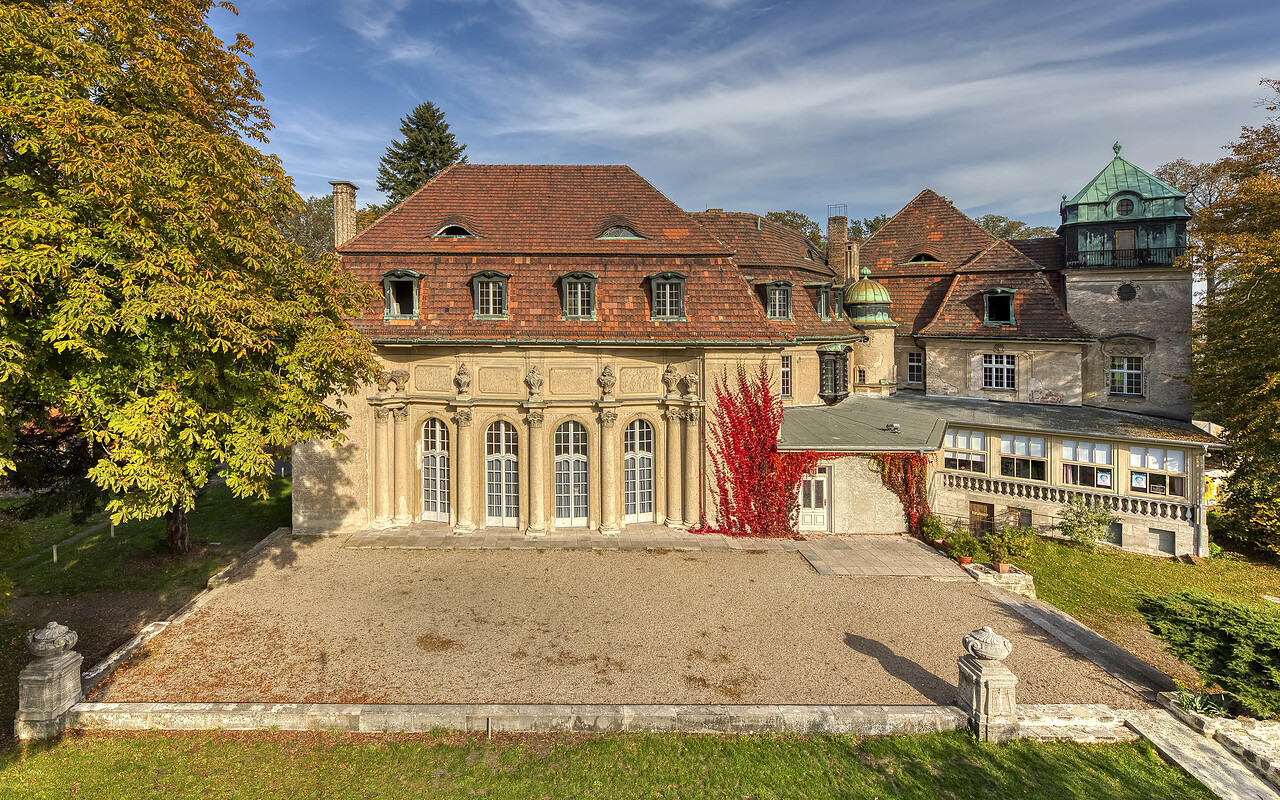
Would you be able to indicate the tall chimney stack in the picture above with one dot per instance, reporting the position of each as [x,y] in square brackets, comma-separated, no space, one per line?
[837,240]
[344,211]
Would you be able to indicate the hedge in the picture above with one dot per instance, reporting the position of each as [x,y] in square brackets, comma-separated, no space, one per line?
[1233,645]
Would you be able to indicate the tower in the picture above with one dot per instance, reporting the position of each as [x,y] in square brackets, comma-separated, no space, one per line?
[867,303]
[1127,283]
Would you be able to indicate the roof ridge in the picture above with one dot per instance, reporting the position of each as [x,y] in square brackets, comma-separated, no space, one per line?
[398,206]
[943,303]
[900,212]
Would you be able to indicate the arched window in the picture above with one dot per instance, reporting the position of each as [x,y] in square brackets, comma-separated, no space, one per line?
[571,475]
[637,473]
[435,471]
[501,476]
[455,232]
[619,232]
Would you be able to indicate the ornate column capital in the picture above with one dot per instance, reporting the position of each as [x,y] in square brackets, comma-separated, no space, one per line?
[462,416]
[401,413]
[607,418]
[381,414]
[673,414]
[690,415]
[534,417]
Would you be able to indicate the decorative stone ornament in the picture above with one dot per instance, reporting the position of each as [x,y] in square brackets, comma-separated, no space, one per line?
[51,640]
[534,381]
[50,685]
[462,416]
[535,417]
[691,386]
[399,378]
[986,644]
[671,379]
[607,381]
[607,418]
[463,380]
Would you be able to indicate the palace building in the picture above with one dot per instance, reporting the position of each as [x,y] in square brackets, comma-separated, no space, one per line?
[549,336]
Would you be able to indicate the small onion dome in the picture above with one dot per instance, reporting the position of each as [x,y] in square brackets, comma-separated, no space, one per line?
[867,301]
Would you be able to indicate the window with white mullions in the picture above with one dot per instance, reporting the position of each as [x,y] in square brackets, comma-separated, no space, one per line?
[915,367]
[502,476]
[435,471]
[785,376]
[571,475]
[998,371]
[1023,457]
[778,301]
[637,473]
[490,295]
[579,295]
[1086,464]
[964,450]
[667,291]
[1125,375]
[1157,470]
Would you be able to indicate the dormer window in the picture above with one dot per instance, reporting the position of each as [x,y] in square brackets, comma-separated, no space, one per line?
[578,290]
[619,232]
[668,295]
[824,302]
[777,300]
[454,232]
[400,294]
[925,258]
[490,295]
[837,302]
[998,307]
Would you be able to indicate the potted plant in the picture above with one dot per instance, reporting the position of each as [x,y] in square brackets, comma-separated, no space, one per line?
[963,548]
[1007,544]
[932,530]
[998,549]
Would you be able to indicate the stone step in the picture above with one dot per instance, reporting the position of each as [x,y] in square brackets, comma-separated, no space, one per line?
[1084,734]
[1068,715]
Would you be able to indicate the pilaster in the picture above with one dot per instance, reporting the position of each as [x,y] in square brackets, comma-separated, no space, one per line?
[692,465]
[609,468]
[537,473]
[674,481]
[465,480]
[402,469]
[381,467]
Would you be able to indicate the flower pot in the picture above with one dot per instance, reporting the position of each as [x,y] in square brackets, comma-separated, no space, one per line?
[937,543]
[965,559]
[1002,567]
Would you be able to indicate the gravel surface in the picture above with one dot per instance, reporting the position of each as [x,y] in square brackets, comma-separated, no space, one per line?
[307,621]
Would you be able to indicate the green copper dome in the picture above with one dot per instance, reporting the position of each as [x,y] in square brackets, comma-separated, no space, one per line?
[868,302]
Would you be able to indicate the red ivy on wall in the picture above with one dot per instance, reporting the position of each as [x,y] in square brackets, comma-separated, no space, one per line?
[905,474]
[755,491]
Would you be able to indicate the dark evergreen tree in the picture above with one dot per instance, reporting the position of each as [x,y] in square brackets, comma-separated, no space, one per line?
[427,148]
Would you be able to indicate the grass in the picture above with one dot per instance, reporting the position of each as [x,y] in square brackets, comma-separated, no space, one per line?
[137,559]
[300,766]
[20,538]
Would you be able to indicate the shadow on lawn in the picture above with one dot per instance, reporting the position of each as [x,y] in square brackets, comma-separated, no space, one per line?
[935,689]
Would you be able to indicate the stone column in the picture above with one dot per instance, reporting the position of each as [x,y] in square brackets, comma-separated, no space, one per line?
[464,480]
[675,485]
[382,467]
[609,468]
[987,686]
[692,466]
[50,685]
[537,472]
[402,468]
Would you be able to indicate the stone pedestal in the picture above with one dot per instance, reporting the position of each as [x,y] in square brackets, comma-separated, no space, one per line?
[987,696]
[49,686]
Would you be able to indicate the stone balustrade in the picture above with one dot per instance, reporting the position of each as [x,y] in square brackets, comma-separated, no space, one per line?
[1025,490]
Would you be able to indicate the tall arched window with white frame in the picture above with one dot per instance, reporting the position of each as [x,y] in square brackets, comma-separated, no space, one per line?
[637,473]
[435,471]
[501,476]
[571,475]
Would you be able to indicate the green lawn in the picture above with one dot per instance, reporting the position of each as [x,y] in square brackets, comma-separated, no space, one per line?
[138,559]
[19,538]
[1101,589]
[299,766]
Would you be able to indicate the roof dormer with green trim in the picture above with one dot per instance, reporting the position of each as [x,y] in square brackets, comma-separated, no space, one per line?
[1124,217]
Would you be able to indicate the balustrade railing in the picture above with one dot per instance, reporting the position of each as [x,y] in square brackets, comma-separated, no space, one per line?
[1138,257]
[1124,504]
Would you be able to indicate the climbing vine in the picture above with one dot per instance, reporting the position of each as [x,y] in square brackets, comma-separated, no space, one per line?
[905,474]
[755,491]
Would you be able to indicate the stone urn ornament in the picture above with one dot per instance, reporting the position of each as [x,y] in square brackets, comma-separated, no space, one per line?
[988,645]
[51,640]
[691,386]
[671,378]
[463,380]
[534,381]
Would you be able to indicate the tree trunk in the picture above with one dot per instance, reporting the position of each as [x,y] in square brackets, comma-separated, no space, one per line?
[175,525]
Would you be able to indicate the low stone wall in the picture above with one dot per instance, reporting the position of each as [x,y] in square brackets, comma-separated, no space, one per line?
[1256,742]
[1015,580]
[518,718]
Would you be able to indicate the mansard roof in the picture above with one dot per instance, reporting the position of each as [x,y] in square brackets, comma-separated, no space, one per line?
[1122,176]
[759,242]
[522,208]
[1037,311]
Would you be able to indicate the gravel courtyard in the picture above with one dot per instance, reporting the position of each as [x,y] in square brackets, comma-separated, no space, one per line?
[309,621]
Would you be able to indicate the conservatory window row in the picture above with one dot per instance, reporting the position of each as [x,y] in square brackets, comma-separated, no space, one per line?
[1151,470]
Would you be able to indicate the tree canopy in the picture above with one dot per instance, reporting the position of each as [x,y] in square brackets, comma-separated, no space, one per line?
[1005,228]
[1205,184]
[863,228]
[799,222]
[147,293]
[1237,364]
[427,148]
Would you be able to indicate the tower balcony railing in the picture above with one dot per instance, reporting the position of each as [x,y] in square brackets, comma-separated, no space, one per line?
[1139,257]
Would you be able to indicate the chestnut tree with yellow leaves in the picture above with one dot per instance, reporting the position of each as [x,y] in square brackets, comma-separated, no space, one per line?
[147,292]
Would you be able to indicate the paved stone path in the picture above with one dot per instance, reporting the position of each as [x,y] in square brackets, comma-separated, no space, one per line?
[1208,761]
[858,556]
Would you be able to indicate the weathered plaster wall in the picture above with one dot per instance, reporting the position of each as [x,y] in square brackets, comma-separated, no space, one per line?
[1156,325]
[1045,372]
[860,503]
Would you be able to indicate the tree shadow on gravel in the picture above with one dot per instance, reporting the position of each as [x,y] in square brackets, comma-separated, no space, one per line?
[935,689]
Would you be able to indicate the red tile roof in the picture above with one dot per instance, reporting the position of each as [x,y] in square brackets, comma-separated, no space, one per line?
[520,209]
[759,242]
[1037,311]
[1046,251]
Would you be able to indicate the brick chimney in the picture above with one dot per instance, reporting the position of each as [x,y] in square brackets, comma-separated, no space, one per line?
[344,211]
[837,244]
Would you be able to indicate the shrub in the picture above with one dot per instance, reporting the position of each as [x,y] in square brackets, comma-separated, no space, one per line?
[1232,645]
[963,544]
[1009,543]
[932,528]
[1085,523]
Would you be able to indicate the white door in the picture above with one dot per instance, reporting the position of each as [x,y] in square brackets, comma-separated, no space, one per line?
[571,475]
[435,471]
[637,473]
[815,495]
[501,476]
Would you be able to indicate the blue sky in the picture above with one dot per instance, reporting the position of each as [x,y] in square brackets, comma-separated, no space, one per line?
[1001,105]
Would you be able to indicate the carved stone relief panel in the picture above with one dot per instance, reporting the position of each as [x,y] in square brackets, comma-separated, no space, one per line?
[639,380]
[571,381]
[500,381]
[433,379]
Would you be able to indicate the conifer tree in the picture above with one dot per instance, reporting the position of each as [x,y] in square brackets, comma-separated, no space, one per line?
[428,147]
